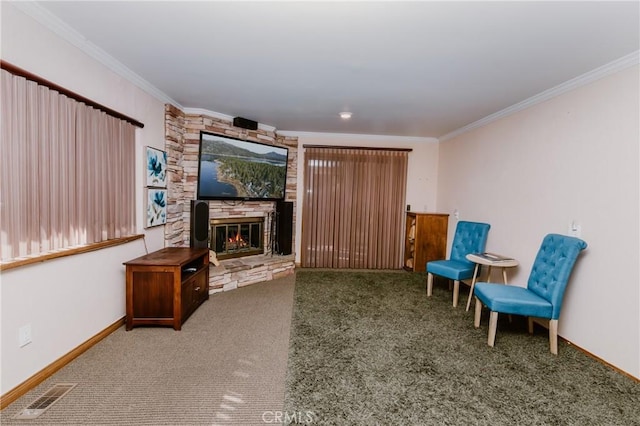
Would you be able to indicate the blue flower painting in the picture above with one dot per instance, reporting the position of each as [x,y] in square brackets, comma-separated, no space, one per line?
[156,168]
[156,207]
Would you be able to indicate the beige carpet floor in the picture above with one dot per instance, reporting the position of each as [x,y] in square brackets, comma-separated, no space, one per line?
[226,366]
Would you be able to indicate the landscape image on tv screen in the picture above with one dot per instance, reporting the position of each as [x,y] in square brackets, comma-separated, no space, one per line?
[235,169]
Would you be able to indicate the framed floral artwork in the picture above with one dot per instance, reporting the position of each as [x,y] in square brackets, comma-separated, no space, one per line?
[156,207]
[156,168]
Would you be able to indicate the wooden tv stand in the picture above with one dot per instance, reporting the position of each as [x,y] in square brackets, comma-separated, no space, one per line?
[166,286]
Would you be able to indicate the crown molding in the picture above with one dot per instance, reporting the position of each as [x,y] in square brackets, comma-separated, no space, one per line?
[357,137]
[201,111]
[59,27]
[582,80]
[225,117]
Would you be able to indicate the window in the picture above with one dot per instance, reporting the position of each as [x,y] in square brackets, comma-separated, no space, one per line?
[67,171]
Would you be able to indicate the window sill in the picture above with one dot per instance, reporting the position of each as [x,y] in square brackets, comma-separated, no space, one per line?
[67,252]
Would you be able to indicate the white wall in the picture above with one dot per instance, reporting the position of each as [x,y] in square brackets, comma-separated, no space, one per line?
[422,168]
[572,158]
[69,300]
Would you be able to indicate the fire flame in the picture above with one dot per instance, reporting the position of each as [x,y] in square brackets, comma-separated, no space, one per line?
[236,239]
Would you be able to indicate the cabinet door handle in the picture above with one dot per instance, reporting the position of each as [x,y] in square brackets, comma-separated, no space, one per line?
[197,289]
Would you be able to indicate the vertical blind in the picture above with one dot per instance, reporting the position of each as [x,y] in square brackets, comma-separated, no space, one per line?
[353,208]
[67,171]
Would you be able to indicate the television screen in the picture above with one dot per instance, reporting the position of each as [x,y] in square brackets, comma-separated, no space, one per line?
[233,169]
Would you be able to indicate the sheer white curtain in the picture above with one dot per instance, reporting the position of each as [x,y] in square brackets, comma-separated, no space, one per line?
[353,208]
[67,172]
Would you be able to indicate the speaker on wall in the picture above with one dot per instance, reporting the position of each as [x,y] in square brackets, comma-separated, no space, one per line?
[199,233]
[284,227]
[245,123]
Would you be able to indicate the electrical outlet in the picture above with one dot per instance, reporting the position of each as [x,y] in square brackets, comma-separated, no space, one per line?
[24,335]
[575,229]
[456,214]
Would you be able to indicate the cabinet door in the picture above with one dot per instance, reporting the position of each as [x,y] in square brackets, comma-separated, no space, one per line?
[152,294]
[194,291]
[425,240]
[435,239]
[187,298]
[200,287]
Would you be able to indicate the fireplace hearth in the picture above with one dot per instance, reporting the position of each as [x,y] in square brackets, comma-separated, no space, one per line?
[237,237]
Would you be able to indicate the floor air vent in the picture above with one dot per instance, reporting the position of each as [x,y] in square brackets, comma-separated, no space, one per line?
[45,401]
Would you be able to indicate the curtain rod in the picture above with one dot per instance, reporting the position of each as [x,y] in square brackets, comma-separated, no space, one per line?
[359,147]
[41,81]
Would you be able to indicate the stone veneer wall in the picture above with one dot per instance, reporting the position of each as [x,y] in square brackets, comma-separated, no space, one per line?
[182,139]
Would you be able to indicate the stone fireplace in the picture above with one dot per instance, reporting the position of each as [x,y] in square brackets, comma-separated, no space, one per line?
[182,141]
[237,237]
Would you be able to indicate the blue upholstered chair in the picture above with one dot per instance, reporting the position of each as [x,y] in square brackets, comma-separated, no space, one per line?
[544,293]
[470,237]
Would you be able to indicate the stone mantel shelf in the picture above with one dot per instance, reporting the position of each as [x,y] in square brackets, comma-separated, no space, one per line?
[249,262]
[239,272]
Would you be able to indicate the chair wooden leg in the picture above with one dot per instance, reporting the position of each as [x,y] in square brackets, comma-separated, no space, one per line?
[473,284]
[478,313]
[530,324]
[429,284]
[493,325]
[456,292]
[553,336]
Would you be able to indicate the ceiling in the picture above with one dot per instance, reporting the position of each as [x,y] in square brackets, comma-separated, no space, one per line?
[402,68]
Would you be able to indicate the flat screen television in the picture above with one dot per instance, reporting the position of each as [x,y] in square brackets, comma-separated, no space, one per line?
[234,169]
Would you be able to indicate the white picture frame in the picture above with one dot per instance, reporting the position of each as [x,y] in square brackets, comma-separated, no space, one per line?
[156,212]
[156,168]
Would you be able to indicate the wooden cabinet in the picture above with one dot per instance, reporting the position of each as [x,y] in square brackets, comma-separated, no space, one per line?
[166,286]
[425,239]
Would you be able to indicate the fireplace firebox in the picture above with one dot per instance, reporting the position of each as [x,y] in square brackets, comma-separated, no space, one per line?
[236,237]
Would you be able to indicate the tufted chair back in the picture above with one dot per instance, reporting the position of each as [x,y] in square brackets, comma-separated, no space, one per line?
[470,237]
[552,267]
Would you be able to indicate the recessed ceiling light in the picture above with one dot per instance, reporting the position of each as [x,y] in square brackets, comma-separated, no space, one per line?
[345,115]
